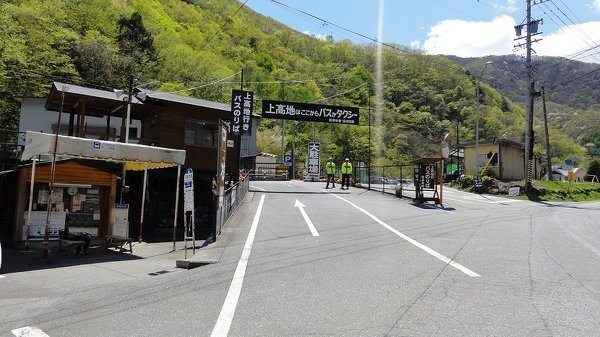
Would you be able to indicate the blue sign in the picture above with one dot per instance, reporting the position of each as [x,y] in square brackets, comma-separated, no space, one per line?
[569,162]
[287,160]
[188,190]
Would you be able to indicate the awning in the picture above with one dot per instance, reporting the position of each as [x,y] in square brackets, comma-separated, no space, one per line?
[135,157]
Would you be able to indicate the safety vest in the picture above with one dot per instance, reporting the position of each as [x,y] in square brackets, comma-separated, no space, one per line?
[346,168]
[330,167]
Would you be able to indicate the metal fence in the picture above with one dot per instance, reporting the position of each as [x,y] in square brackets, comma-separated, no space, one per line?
[393,179]
[232,198]
[271,171]
[10,150]
[9,140]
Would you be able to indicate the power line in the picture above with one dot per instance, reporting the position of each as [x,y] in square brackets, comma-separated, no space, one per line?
[574,78]
[222,26]
[571,27]
[201,86]
[376,41]
[340,94]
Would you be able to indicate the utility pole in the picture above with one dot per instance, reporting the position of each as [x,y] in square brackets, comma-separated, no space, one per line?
[532,30]
[369,158]
[529,119]
[549,160]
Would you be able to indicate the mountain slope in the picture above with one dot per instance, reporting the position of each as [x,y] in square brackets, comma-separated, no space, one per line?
[571,89]
[199,48]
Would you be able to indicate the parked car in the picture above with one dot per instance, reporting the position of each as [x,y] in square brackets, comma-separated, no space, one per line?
[383,180]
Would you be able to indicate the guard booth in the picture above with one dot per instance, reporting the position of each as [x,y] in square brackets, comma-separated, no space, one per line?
[426,179]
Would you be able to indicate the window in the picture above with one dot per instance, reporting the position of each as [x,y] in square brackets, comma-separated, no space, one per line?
[482,159]
[200,133]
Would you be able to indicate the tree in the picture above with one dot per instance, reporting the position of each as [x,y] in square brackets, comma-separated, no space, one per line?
[137,44]
[594,169]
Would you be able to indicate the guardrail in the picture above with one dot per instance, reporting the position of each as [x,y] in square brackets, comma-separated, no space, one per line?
[232,198]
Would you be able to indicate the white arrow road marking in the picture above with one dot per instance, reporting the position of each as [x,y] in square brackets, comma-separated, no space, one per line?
[29,331]
[312,228]
[414,242]
[223,324]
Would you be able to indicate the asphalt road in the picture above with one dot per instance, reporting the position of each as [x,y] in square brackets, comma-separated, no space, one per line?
[297,260]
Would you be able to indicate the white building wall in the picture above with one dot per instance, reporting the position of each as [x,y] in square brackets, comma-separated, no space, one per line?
[35,117]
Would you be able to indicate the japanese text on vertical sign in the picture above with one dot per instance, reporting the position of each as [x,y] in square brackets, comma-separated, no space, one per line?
[241,112]
[314,158]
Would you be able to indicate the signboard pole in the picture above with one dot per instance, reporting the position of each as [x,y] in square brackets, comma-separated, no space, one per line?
[221,161]
[143,200]
[28,226]
[188,209]
[52,174]
[176,205]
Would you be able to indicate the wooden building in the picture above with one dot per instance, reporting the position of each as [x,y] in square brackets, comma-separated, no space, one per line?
[504,157]
[161,120]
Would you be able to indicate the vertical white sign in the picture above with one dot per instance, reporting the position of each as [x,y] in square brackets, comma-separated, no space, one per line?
[314,159]
[188,190]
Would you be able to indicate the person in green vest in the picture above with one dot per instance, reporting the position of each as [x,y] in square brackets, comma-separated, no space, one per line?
[346,173]
[330,170]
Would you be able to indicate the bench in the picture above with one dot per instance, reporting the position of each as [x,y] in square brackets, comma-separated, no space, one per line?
[77,245]
[118,242]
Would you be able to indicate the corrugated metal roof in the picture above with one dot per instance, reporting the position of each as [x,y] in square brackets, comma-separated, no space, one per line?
[91,92]
[156,95]
[164,96]
[501,141]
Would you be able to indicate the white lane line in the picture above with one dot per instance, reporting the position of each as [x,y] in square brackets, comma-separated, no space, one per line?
[29,331]
[257,188]
[457,199]
[414,242]
[290,185]
[223,324]
[309,223]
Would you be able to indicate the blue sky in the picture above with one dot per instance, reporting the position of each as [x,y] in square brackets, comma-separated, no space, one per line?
[466,28]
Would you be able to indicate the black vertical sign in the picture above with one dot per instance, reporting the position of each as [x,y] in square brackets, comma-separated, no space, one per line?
[241,112]
[248,99]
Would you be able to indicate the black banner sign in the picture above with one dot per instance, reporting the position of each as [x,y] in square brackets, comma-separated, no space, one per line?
[310,112]
[241,110]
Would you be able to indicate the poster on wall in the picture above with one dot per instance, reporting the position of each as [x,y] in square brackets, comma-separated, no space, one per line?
[38,225]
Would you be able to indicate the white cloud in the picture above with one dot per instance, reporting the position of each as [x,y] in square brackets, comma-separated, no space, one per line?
[471,38]
[594,5]
[496,37]
[509,7]
[415,44]
[317,36]
[572,42]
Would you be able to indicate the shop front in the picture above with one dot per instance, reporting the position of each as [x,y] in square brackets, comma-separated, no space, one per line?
[84,188]
[83,199]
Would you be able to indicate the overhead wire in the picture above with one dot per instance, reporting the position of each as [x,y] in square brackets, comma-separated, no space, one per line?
[573,27]
[201,86]
[586,52]
[340,94]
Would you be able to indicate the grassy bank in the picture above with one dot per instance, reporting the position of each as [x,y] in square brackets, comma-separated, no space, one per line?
[564,191]
[543,190]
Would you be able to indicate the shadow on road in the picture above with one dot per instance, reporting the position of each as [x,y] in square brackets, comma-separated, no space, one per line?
[16,260]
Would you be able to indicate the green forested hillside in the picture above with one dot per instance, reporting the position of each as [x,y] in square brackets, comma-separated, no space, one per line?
[571,89]
[199,48]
